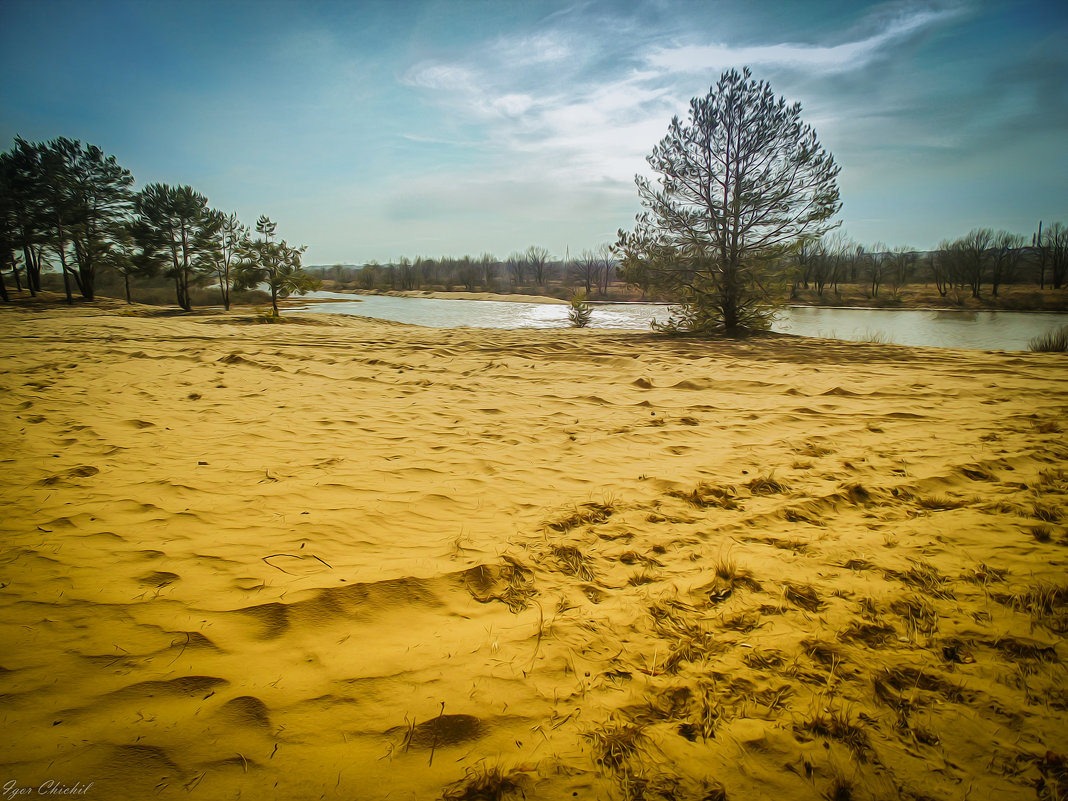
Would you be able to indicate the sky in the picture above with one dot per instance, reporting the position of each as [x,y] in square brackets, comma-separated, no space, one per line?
[376,130]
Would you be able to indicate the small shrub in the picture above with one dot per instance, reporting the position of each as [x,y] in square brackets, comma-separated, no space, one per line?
[580,312]
[1055,341]
[267,316]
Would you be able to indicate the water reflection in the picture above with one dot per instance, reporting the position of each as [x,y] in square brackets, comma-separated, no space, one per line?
[937,328]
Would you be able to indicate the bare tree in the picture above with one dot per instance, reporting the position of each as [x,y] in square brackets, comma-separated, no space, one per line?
[974,257]
[945,265]
[901,266]
[586,268]
[877,260]
[608,266]
[538,259]
[1055,244]
[1005,253]
[517,265]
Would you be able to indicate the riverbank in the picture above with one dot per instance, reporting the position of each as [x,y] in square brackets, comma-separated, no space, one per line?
[458,295]
[357,558]
[1012,297]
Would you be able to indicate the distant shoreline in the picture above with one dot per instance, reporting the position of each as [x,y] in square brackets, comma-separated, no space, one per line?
[1023,299]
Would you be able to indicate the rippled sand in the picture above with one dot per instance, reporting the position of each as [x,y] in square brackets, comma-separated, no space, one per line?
[355,559]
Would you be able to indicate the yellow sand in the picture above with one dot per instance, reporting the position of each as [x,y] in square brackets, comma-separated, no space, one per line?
[362,560]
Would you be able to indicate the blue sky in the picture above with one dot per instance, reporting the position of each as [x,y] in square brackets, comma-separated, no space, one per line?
[374,130]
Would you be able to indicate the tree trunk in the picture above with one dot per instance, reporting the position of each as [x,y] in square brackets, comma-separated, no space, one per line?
[86,282]
[3,289]
[126,280]
[33,270]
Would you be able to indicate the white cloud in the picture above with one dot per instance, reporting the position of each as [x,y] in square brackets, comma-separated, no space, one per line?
[446,77]
[809,58]
[539,48]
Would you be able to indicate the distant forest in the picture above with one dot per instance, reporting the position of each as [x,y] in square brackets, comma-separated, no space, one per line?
[984,268]
[70,221]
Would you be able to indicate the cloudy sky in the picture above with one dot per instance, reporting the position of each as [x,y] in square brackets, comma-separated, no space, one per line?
[373,130]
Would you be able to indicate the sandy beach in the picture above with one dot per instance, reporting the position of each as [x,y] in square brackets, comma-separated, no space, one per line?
[354,559]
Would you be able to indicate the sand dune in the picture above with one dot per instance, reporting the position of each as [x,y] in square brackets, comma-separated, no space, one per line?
[362,560]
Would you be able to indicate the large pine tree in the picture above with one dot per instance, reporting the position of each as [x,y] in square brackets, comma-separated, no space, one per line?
[739,182]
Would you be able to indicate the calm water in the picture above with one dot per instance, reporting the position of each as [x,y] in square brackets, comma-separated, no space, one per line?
[945,329]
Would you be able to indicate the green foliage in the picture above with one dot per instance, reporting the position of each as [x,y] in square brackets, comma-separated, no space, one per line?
[739,184]
[276,264]
[65,199]
[175,230]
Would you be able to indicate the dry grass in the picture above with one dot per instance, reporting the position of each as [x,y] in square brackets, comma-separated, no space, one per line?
[487,783]
[1046,602]
[836,724]
[925,578]
[873,635]
[938,503]
[614,743]
[803,596]
[1055,341]
[729,574]
[572,562]
[589,513]
[767,485]
[705,496]
[917,613]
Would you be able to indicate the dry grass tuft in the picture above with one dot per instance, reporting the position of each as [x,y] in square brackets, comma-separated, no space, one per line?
[983,574]
[766,659]
[511,583]
[572,562]
[873,635]
[614,743]
[1042,533]
[683,627]
[767,485]
[1055,341]
[486,783]
[809,513]
[633,558]
[924,577]
[840,789]
[857,564]
[705,496]
[976,472]
[1053,784]
[643,577]
[938,503]
[835,724]
[584,514]
[729,574]
[1018,648]
[1046,602]
[1046,512]
[803,596]
[919,616]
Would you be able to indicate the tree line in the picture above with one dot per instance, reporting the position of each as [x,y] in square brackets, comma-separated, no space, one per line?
[530,270]
[981,259]
[73,207]
[980,262]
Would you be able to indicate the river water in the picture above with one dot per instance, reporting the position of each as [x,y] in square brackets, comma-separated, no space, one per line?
[945,329]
